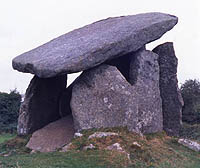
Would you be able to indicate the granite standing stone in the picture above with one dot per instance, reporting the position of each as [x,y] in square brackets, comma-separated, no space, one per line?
[172,101]
[102,97]
[94,44]
[141,70]
[41,103]
[144,78]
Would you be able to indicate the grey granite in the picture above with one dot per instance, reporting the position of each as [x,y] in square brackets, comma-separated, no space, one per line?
[94,44]
[41,103]
[144,78]
[101,97]
[172,101]
[190,144]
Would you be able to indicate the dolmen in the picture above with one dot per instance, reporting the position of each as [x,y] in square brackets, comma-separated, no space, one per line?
[122,84]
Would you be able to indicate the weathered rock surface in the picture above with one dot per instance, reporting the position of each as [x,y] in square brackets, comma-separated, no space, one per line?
[93,44]
[136,144]
[102,134]
[190,144]
[41,103]
[77,135]
[144,77]
[91,146]
[172,101]
[101,97]
[53,136]
[115,146]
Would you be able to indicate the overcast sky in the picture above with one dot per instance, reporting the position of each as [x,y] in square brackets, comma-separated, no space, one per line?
[26,24]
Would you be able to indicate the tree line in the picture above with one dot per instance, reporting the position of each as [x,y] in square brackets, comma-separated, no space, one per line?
[9,110]
[190,91]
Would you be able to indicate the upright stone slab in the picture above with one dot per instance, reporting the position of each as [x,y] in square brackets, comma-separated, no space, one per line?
[94,44]
[172,101]
[144,78]
[141,69]
[101,97]
[41,103]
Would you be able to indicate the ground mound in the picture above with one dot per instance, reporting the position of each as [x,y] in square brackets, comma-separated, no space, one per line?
[153,150]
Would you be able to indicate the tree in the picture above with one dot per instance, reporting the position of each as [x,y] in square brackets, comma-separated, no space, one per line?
[9,109]
[190,91]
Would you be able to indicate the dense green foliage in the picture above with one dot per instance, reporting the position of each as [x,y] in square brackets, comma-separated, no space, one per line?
[190,91]
[9,109]
[191,132]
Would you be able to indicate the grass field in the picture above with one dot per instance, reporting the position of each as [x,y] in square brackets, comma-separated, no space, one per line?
[6,136]
[156,151]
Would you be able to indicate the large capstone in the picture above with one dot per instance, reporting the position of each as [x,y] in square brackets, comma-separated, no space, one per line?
[172,101]
[41,103]
[144,78]
[101,97]
[94,44]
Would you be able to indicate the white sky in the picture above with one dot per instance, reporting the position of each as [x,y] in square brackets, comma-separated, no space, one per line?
[26,24]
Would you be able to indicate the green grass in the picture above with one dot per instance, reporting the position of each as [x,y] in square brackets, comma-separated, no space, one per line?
[87,159]
[6,136]
[156,151]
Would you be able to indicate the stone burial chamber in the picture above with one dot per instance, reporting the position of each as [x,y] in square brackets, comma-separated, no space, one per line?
[122,83]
